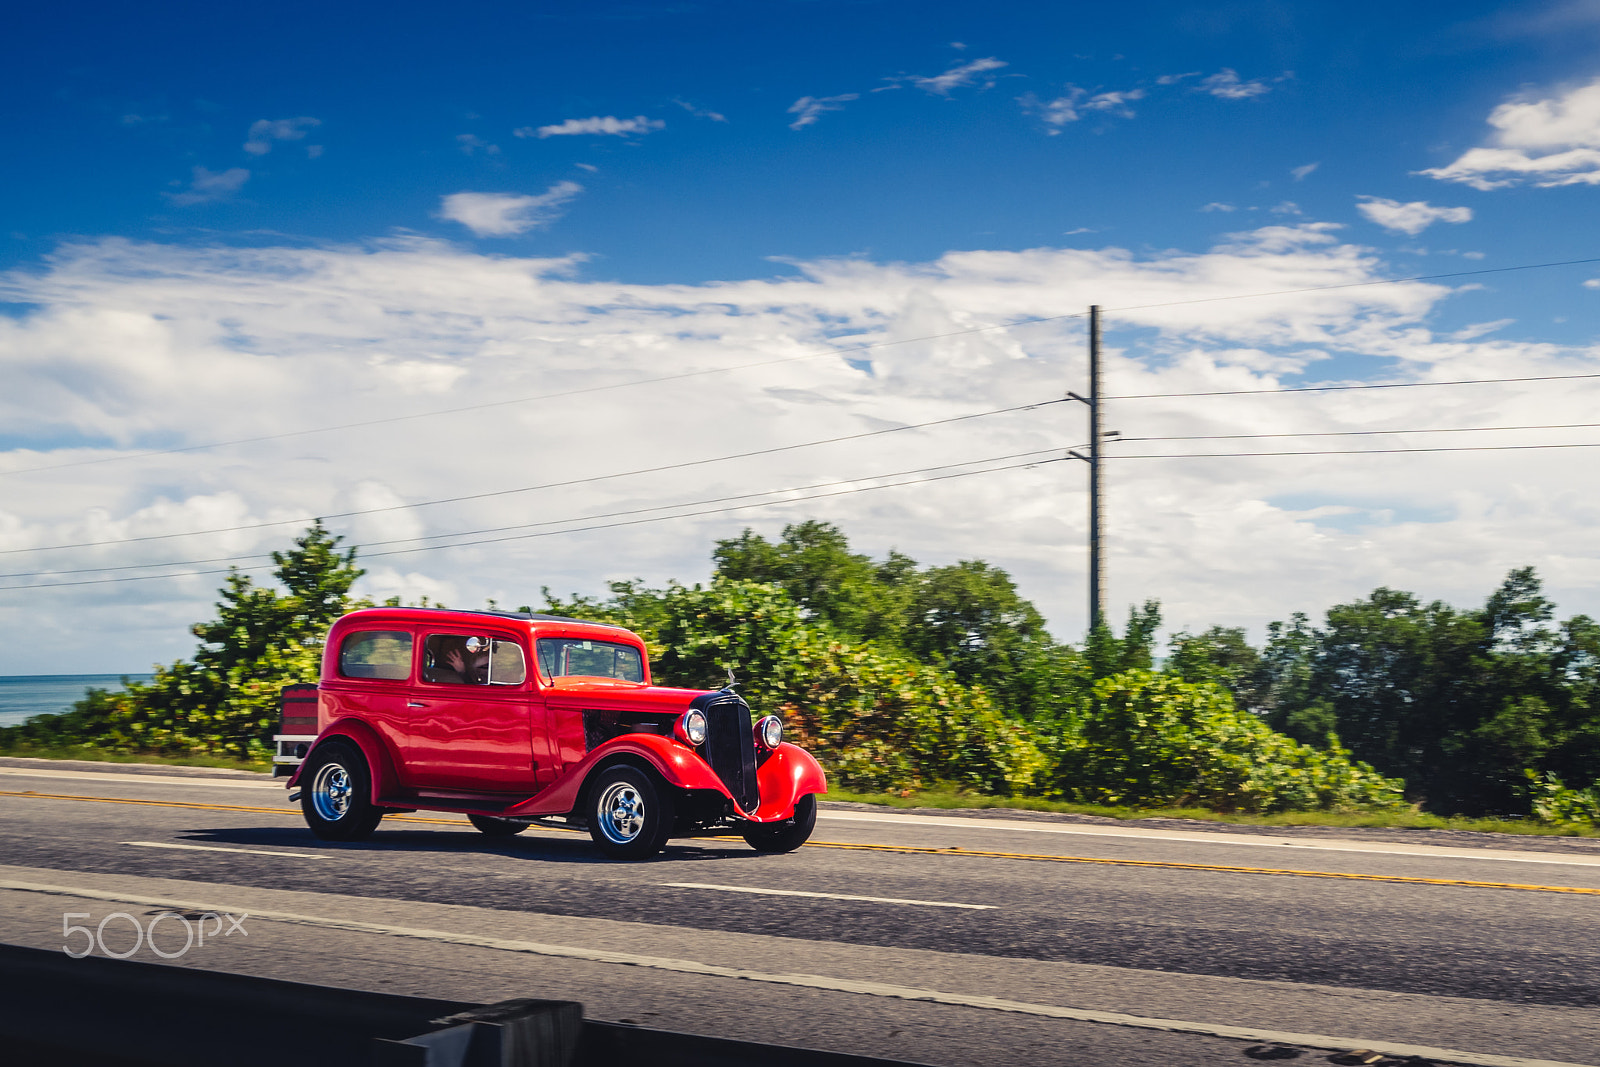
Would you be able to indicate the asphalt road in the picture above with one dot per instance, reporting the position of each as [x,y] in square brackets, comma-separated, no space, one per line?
[988,941]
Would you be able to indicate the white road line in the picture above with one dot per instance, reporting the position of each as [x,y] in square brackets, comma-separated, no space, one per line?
[145,779]
[825,896]
[807,981]
[1376,848]
[219,848]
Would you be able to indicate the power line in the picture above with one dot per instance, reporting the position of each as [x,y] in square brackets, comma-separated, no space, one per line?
[1347,388]
[539,396]
[1012,324]
[578,529]
[546,485]
[548,522]
[1362,433]
[1355,451]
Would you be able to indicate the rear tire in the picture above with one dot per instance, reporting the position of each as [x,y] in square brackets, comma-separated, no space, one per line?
[785,836]
[337,799]
[630,813]
[493,827]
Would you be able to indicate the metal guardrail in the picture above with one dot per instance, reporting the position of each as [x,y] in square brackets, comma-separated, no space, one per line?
[123,1013]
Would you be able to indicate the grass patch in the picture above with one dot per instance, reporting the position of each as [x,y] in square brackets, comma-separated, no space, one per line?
[99,755]
[1405,820]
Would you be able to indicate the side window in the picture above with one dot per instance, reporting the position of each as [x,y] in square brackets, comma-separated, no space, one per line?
[563,656]
[463,659]
[384,654]
[506,665]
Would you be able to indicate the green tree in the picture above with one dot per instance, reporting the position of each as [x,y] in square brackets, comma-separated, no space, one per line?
[223,702]
[1459,703]
[812,561]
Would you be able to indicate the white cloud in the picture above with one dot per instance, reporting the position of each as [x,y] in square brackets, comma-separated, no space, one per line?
[1412,218]
[1549,142]
[1300,173]
[811,108]
[1592,283]
[265,131]
[1226,85]
[130,345]
[1174,79]
[1217,205]
[1287,207]
[507,214]
[700,112]
[208,186]
[958,76]
[471,143]
[1480,329]
[1116,103]
[596,124]
[1076,103]
[1055,113]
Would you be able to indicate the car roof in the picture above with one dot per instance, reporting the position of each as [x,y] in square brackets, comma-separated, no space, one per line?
[524,616]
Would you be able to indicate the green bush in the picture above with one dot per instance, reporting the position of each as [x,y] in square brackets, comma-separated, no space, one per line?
[875,718]
[1155,740]
[1553,802]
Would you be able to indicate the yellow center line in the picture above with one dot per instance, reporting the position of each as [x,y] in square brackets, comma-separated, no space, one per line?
[909,850]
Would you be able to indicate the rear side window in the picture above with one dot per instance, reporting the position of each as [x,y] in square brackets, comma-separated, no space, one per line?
[468,659]
[560,657]
[382,654]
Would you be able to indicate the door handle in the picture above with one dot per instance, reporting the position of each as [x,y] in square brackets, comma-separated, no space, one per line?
[415,704]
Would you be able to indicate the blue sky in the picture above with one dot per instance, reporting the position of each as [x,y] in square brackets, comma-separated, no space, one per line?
[206,204]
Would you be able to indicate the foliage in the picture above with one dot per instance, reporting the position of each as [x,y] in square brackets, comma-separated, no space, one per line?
[1458,703]
[1553,802]
[967,618]
[224,702]
[876,718]
[1155,739]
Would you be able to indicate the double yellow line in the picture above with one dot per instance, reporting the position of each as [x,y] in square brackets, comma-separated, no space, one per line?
[912,850]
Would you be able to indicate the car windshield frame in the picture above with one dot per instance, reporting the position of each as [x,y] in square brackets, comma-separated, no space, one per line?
[555,657]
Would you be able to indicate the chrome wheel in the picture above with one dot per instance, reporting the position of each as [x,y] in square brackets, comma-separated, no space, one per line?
[621,813]
[331,792]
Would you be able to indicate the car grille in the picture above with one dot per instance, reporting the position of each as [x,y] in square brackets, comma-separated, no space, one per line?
[731,751]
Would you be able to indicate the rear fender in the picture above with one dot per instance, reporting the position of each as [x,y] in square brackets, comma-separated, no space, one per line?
[385,782]
[678,764]
[788,774]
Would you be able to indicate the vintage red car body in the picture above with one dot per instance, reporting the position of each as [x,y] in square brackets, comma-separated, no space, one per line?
[514,718]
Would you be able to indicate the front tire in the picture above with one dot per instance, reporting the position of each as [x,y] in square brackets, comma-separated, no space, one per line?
[337,802]
[630,813]
[785,836]
[493,827]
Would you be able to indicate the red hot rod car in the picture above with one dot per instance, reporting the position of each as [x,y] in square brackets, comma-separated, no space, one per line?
[514,719]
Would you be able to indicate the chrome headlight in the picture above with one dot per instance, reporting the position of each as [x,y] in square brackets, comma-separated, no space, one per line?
[691,728]
[769,732]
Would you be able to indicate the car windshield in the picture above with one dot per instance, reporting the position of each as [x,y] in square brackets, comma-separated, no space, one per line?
[561,657]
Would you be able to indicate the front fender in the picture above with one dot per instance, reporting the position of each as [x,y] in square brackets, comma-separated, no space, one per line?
[788,774]
[680,765]
[385,781]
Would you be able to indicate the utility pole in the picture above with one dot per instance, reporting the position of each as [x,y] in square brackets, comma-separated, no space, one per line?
[1097,561]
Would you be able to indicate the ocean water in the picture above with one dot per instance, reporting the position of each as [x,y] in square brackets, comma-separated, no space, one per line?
[48,694]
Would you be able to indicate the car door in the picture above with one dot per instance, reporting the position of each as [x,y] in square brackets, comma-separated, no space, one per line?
[472,713]
[372,683]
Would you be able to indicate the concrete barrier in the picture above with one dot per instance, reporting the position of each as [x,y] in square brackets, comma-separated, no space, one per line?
[55,1010]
